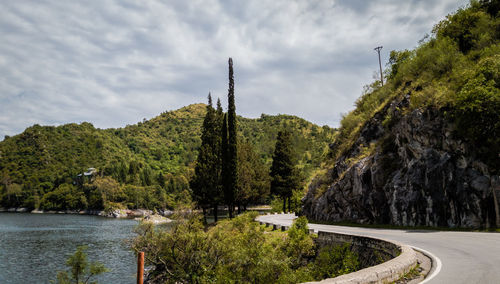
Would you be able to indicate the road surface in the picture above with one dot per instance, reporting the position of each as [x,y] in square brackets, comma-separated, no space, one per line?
[466,257]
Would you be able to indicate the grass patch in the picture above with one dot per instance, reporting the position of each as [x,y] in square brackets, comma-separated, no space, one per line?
[412,274]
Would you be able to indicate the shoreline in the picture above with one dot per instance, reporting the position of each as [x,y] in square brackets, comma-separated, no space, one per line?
[117,213]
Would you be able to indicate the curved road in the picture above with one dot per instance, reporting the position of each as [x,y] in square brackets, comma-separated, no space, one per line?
[466,257]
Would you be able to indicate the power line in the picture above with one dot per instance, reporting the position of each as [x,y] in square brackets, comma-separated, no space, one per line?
[378,48]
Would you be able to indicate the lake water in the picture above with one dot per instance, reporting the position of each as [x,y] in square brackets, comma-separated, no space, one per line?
[33,247]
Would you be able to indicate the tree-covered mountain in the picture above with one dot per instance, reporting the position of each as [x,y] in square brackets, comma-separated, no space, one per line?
[423,149]
[145,165]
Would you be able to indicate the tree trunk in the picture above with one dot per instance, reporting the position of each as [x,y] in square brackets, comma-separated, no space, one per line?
[204,215]
[239,208]
[284,204]
[216,206]
[230,209]
[245,207]
[289,208]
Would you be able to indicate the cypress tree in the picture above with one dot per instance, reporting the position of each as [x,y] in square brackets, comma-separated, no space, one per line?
[224,165]
[205,181]
[283,172]
[232,145]
[219,117]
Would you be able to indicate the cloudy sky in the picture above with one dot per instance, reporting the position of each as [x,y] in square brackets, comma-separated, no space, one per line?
[113,63]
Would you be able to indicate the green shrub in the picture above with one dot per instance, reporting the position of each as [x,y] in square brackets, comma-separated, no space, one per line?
[477,110]
[233,251]
[80,270]
[333,261]
[299,246]
[65,196]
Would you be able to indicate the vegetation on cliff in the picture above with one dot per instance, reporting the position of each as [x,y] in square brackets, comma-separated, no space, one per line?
[455,70]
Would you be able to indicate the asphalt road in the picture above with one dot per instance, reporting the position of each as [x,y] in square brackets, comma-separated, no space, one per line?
[466,257]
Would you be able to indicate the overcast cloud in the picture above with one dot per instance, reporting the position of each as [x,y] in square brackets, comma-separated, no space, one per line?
[113,63]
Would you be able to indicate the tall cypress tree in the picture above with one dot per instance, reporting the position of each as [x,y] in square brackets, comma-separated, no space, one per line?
[231,186]
[225,179]
[284,176]
[219,122]
[205,181]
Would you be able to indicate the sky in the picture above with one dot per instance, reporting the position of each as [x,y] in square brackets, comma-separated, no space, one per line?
[113,63]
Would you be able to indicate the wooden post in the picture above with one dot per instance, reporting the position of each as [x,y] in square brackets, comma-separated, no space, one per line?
[140,268]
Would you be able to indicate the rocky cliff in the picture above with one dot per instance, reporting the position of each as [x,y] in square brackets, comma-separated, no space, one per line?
[407,168]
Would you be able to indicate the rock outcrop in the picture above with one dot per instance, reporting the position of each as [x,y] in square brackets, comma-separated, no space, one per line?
[416,174]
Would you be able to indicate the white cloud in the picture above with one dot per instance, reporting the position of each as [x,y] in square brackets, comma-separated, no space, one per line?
[113,63]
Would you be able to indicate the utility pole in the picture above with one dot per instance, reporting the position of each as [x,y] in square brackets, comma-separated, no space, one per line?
[378,48]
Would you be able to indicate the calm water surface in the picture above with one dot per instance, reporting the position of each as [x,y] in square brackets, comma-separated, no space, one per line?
[34,246]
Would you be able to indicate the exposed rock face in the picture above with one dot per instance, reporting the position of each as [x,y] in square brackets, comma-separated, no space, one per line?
[418,174]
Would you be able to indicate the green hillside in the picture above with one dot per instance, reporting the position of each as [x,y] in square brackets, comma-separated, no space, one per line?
[153,158]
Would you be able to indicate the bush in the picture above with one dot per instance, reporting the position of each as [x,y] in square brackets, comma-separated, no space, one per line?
[238,250]
[333,261]
[64,197]
[80,270]
[299,246]
[477,110]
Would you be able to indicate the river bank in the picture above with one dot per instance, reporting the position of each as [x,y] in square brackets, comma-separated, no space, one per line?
[160,216]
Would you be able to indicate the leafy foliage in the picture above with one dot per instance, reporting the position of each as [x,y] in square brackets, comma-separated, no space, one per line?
[295,201]
[333,261]
[65,196]
[80,270]
[299,245]
[478,104]
[253,178]
[237,250]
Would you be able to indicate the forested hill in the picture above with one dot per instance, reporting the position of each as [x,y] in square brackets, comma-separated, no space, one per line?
[155,155]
